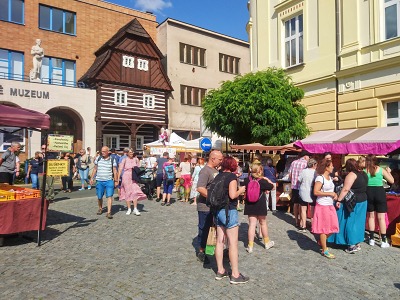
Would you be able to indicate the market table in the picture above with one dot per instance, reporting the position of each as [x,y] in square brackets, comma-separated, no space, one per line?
[21,215]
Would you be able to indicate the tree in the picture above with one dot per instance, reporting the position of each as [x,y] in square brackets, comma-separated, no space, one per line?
[261,107]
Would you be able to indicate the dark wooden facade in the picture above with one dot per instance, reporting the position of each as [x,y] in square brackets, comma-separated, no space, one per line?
[110,74]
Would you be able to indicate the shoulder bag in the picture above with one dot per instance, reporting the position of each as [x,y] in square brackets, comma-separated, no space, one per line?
[349,200]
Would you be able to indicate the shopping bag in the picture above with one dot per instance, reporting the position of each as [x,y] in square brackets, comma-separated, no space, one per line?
[211,240]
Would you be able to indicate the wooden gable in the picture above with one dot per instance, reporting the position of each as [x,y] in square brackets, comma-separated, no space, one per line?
[133,43]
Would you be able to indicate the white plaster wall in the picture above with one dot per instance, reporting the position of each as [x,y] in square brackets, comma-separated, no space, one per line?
[185,117]
[81,101]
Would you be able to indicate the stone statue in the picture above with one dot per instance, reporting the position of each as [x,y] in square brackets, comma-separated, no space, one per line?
[38,54]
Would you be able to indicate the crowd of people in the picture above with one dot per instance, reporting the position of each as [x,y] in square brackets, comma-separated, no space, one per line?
[315,185]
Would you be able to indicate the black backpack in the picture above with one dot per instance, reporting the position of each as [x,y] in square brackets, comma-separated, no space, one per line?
[217,197]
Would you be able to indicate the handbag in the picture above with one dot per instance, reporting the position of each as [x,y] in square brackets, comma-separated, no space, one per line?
[349,200]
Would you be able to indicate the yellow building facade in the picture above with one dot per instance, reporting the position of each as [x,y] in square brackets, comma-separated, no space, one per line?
[343,54]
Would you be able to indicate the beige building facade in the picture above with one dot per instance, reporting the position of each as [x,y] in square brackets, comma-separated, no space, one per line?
[343,54]
[196,61]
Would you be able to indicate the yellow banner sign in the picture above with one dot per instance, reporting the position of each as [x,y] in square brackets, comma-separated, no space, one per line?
[60,143]
[56,167]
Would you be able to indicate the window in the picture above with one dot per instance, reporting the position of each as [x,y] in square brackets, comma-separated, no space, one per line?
[9,135]
[391,18]
[58,71]
[120,98]
[392,114]
[192,95]
[148,101]
[139,142]
[192,55]
[294,41]
[111,141]
[128,61]
[228,64]
[143,64]
[11,65]
[54,19]
[12,11]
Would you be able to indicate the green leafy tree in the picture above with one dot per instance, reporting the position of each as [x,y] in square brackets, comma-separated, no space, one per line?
[261,107]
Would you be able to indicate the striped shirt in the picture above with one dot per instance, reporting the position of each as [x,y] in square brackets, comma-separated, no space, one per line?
[295,169]
[104,168]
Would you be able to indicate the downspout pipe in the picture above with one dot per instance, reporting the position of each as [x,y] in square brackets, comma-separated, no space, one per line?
[337,28]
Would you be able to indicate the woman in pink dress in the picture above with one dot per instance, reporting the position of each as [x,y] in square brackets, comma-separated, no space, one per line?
[130,190]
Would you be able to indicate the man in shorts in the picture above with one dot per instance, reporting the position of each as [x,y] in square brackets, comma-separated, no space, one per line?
[206,176]
[105,170]
[295,169]
[160,175]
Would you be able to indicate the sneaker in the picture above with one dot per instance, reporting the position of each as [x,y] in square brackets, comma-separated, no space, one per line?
[269,245]
[240,279]
[274,212]
[358,247]
[371,242]
[136,212]
[202,257]
[220,276]
[81,189]
[109,216]
[301,229]
[129,211]
[385,244]
[89,187]
[351,249]
[249,249]
[158,199]
[327,254]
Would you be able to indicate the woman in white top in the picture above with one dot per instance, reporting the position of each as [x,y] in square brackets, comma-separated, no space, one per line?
[195,177]
[325,218]
[185,169]
[306,179]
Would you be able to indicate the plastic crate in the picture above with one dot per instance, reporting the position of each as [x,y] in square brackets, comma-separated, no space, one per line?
[6,196]
[31,193]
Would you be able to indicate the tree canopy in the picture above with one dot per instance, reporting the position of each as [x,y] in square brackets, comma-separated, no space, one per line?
[261,107]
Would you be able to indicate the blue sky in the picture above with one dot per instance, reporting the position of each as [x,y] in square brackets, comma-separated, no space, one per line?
[223,16]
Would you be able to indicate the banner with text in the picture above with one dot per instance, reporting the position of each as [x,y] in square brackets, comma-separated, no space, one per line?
[160,151]
[56,167]
[60,143]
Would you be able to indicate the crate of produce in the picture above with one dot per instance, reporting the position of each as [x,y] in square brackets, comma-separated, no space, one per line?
[6,196]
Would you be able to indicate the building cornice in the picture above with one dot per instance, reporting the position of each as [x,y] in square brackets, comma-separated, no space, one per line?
[373,66]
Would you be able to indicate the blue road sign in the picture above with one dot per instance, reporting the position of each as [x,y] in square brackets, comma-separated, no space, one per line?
[205,144]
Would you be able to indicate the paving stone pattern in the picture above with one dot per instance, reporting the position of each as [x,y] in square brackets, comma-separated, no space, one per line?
[85,256]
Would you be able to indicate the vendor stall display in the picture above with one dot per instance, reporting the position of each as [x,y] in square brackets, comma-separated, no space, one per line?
[30,212]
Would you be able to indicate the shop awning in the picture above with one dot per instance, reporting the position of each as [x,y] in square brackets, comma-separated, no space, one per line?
[378,141]
[24,118]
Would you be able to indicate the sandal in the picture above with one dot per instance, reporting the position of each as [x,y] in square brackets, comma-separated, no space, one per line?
[100,211]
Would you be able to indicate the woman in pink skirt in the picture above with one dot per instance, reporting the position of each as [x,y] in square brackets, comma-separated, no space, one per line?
[130,190]
[325,221]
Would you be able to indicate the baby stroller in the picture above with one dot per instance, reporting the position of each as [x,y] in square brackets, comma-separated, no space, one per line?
[148,181]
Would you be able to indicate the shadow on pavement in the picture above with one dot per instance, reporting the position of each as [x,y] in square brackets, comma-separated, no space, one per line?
[284,216]
[397,285]
[304,241]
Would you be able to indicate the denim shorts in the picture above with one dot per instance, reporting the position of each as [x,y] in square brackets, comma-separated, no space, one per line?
[220,218]
[105,186]
[168,187]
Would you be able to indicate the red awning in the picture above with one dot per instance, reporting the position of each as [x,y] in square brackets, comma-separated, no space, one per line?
[21,117]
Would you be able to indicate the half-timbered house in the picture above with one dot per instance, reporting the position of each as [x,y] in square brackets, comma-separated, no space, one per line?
[132,89]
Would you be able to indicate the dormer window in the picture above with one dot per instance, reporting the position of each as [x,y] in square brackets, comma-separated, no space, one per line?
[128,61]
[143,64]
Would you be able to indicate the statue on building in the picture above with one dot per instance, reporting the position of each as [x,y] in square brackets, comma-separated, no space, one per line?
[38,54]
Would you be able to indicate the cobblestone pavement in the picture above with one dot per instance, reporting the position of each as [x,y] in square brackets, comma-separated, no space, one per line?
[85,256]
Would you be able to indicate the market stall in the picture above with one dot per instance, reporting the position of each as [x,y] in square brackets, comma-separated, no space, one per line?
[22,209]
[377,141]
[175,144]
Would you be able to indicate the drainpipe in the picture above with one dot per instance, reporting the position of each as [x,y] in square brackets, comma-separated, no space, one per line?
[337,28]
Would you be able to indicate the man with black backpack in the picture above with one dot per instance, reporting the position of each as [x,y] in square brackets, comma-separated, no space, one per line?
[206,176]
